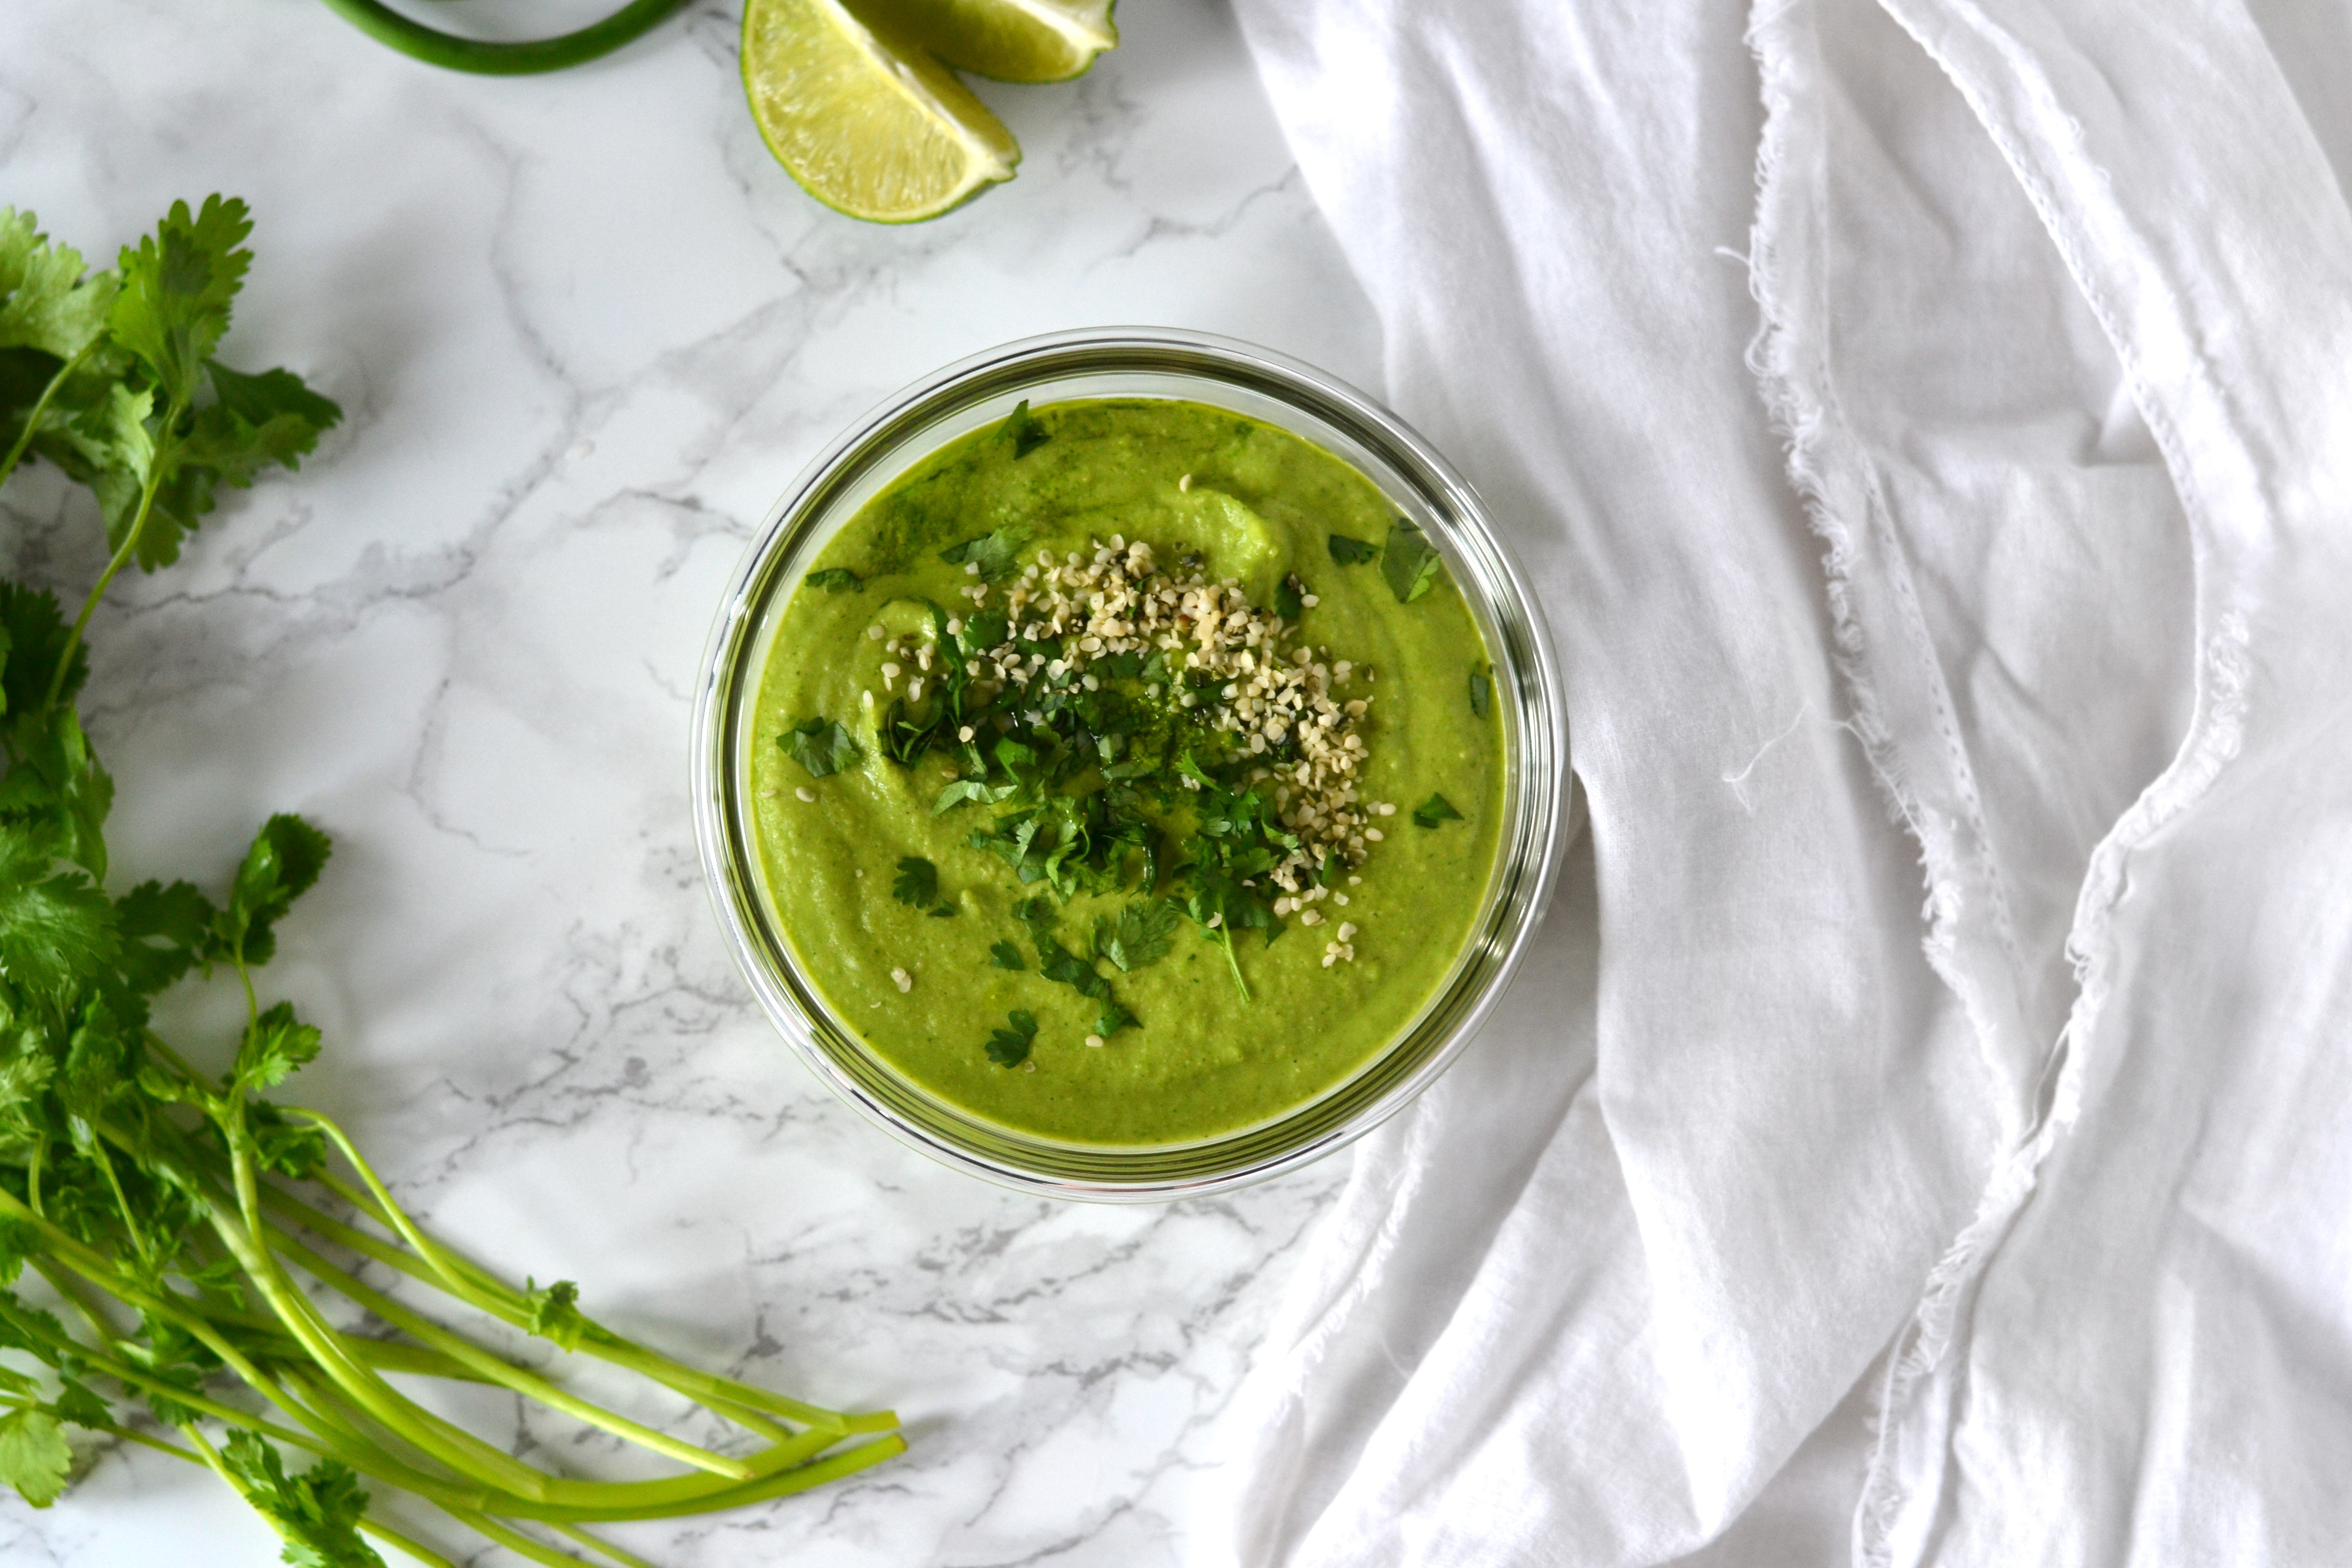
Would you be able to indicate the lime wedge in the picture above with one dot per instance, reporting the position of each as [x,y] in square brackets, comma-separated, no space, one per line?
[866,121]
[1012,40]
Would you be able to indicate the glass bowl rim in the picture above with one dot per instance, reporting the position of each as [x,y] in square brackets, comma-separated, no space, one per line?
[1542,769]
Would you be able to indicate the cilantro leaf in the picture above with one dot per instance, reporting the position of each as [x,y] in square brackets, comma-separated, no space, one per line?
[917,881]
[1059,964]
[275,1047]
[286,859]
[960,791]
[986,630]
[104,441]
[148,418]
[19,1239]
[318,1513]
[1036,913]
[834,580]
[97,1071]
[76,1402]
[1481,689]
[174,304]
[290,1148]
[1009,1048]
[33,1456]
[46,304]
[1024,430]
[1005,955]
[33,634]
[179,918]
[1289,598]
[59,779]
[1409,562]
[162,1406]
[997,555]
[943,911]
[1142,934]
[254,422]
[1434,810]
[1350,551]
[55,930]
[823,748]
[555,1312]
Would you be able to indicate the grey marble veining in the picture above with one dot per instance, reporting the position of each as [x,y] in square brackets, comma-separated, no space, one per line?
[585,331]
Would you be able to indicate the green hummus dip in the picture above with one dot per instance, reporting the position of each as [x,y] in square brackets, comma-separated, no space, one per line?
[1127,773]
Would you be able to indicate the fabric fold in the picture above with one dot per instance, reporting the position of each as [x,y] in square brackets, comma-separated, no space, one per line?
[1877,1148]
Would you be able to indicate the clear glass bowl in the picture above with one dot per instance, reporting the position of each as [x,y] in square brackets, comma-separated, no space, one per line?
[1540,811]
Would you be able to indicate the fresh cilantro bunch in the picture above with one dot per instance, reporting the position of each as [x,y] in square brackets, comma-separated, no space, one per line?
[172,1209]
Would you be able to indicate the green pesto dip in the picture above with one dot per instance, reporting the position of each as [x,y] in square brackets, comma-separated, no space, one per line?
[1043,704]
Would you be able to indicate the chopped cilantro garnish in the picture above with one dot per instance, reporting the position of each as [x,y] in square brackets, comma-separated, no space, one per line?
[1481,689]
[997,555]
[1024,429]
[1010,1047]
[1058,964]
[1037,914]
[1408,563]
[823,747]
[917,881]
[984,630]
[1005,955]
[1142,935]
[836,579]
[1434,810]
[1289,601]
[1350,551]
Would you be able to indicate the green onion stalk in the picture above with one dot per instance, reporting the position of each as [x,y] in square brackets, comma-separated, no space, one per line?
[486,57]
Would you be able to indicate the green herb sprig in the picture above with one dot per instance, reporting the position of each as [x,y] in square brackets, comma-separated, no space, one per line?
[190,1226]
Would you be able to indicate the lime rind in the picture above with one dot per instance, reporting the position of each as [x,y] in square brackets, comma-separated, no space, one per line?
[862,118]
[1009,40]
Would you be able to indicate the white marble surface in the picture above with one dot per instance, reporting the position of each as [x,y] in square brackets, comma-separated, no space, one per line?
[585,330]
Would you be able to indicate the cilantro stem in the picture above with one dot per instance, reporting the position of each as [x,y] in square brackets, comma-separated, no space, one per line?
[369,1525]
[114,1183]
[1225,941]
[626,1559]
[155,466]
[146,1440]
[448,1444]
[169,1307]
[516,1378]
[796,1477]
[503,1302]
[393,1214]
[514,1540]
[67,1285]
[41,406]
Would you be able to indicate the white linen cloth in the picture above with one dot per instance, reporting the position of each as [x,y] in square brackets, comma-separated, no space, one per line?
[1923,1133]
